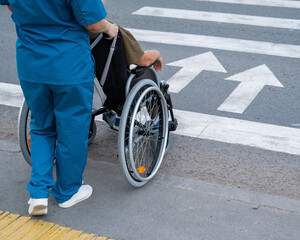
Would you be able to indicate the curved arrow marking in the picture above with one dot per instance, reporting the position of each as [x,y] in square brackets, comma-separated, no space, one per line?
[252,82]
[191,68]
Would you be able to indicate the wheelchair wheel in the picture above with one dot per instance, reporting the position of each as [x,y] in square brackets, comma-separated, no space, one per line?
[92,133]
[143,133]
[23,131]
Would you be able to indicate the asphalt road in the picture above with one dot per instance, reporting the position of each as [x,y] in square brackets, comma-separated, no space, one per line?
[238,48]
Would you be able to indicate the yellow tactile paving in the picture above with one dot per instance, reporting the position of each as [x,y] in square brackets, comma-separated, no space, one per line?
[4,215]
[59,233]
[38,231]
[11,228]
[47,234]
[85,236]
[14,227]
[24,229]
[102,238]
[8,219]
[72,234]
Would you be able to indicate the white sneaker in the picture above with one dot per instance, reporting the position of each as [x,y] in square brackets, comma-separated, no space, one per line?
[84,192]
[38,206]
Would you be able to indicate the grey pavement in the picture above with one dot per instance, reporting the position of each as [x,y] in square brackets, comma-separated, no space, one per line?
[168,207]
[204,189]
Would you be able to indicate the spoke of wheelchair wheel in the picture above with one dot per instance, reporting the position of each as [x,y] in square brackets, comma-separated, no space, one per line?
[143,159]
[140,147]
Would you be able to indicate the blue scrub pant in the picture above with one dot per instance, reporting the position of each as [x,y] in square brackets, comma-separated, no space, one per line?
[59,128]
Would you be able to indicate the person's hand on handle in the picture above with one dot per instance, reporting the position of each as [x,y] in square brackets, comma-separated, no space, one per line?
[103,26]
[112,30]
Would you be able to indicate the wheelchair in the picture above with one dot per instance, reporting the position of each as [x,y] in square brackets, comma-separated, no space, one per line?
[145,124]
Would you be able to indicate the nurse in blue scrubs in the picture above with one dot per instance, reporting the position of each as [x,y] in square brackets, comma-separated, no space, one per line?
[56,72]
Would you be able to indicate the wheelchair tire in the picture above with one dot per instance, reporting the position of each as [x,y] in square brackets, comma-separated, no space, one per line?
[143,132]
[169,143]
[23,131]
[92,133]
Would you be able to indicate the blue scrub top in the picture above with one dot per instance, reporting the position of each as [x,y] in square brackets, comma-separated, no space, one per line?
[53,46]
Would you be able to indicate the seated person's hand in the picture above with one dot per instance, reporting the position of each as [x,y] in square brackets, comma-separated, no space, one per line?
[158,66]
[150,57]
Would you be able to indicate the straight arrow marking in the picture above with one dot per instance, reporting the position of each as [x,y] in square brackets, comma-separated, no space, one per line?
[191,68]
[252,82]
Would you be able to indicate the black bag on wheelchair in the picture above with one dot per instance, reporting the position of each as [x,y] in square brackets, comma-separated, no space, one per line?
[114,86]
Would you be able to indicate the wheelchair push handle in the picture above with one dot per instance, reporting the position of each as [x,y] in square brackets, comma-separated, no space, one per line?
[104,35]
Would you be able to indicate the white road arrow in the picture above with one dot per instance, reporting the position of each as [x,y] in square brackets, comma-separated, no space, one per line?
[252,82]
[191,68]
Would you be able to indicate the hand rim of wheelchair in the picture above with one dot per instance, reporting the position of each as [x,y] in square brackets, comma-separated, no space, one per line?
[136,180]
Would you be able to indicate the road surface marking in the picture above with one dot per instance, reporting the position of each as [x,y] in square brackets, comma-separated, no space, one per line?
[10,95]
[191,67]
[219,17]
[268,3]
[229,130]
[227,44]
[252,82]
[236,131]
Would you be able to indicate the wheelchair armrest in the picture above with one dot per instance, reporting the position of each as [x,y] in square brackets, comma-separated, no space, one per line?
[138,71]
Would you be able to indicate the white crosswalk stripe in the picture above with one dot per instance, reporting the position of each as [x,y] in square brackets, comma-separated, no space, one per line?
[221,43]
[268,3]
[10,95]
[204,126]
[219,17]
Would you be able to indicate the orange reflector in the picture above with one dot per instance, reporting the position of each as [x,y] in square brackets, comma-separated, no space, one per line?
[141,169]
[28,142]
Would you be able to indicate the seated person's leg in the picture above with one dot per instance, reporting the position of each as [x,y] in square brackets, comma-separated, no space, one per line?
[134,54]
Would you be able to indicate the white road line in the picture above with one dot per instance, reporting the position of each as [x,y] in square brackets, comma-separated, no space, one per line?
[236,131]
[204,126]
[268,3]
[228,44]
[219,17]
[10,95]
